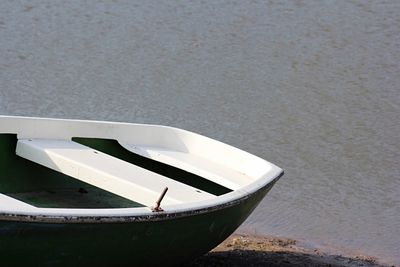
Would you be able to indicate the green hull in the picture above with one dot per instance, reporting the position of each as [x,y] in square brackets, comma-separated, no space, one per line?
[148,243]
[160,239]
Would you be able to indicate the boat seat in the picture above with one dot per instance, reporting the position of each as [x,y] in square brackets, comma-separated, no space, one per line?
[9,203]
[107,172]
[195,164]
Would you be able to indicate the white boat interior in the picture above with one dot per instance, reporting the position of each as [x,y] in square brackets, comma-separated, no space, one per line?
[54,144]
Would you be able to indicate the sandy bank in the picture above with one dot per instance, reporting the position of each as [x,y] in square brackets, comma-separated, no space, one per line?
[246,250]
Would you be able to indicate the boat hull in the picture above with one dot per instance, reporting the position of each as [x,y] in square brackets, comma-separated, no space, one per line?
[52,219]
[166,241]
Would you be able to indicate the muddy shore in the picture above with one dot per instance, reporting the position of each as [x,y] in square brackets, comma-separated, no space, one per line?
[247,250]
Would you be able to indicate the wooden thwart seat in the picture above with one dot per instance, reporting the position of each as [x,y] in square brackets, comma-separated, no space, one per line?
[203,167]
[107,172]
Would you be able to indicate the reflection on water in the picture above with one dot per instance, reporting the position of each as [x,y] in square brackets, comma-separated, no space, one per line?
[310,86]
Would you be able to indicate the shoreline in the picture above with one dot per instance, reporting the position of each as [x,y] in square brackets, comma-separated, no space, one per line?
[250,250]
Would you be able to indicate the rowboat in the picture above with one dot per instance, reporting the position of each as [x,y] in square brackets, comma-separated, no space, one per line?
[76,192]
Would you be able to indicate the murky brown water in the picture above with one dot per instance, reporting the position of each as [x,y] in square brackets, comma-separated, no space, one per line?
[311,86]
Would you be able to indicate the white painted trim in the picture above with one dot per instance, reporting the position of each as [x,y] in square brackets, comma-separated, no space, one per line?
[259,170]
[7,202]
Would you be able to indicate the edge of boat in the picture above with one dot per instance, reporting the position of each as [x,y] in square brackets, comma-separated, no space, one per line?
[112,215]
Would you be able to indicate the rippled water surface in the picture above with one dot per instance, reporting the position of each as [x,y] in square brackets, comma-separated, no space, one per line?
[313,86]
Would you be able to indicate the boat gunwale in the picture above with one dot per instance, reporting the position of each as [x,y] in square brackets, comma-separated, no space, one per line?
[128,218]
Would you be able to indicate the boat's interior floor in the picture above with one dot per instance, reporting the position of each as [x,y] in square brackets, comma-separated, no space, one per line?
[40,186]
[82,197]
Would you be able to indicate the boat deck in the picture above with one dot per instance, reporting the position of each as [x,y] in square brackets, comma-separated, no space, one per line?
[105,174]
[107,167]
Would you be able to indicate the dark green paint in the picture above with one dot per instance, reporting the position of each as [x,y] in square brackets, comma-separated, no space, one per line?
[153,243]
[163,242]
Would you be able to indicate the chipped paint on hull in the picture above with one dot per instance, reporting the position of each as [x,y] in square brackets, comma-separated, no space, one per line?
[116,219]
[174,238]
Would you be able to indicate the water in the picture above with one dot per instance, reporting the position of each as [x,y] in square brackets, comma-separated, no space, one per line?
[311,86]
